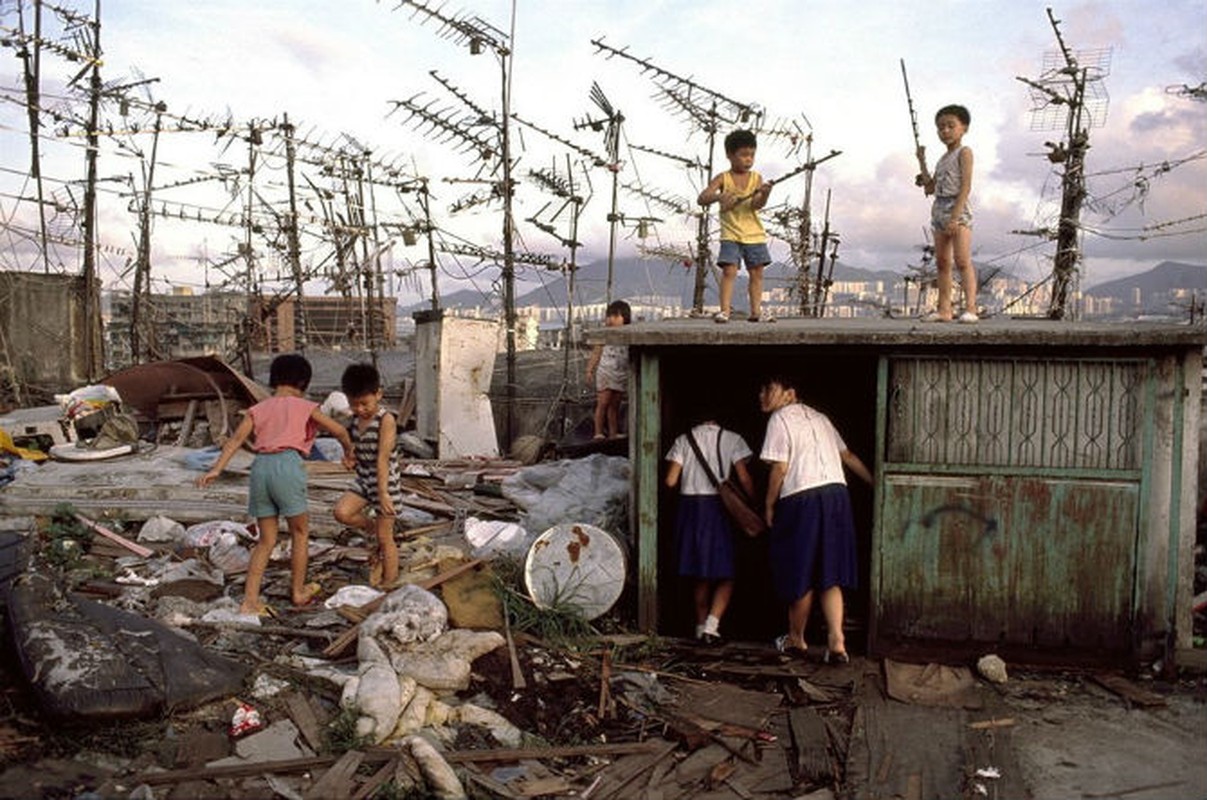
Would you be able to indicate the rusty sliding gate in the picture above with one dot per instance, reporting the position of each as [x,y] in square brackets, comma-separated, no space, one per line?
[1010,495]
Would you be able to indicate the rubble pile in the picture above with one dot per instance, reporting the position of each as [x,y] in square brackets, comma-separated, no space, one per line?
[131,672]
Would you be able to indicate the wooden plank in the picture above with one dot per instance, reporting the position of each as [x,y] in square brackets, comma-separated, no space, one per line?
[136,549]
[988,724]
[338,782]
[1190,658]
[645,423]
[263,630]
[517,674]
[235,770]
[812,744]
[302,713]
[1132,693]
[377,780]
[406,406]
[565,751]
[635,767]
[186,426]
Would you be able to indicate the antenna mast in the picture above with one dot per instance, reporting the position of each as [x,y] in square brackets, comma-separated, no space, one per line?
[479,34]
[705,109]
[1069,96]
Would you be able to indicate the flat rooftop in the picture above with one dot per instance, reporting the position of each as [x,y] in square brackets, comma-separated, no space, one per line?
[868,331]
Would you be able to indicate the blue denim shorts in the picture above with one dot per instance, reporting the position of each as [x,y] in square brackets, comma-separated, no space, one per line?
[277,486]
[753,255]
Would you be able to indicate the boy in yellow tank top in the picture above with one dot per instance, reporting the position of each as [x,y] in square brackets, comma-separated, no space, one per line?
[741,192]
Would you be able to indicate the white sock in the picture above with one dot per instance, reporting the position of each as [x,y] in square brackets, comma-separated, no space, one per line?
[699,630]
[711,626]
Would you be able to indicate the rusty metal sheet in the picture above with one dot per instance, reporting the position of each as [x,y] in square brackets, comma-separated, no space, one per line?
[1037,561]
[142,386]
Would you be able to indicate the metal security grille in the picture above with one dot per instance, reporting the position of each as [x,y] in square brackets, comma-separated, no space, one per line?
[1014,413]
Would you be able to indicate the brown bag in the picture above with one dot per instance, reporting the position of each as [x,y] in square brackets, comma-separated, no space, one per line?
[737,504]
[749,521]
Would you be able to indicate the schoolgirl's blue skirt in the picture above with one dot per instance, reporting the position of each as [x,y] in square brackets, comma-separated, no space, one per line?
[704,538]
[812,542]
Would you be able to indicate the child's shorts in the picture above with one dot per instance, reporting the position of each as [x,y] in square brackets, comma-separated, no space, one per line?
[369,495]
[277,487]
[940,214]
[753,255]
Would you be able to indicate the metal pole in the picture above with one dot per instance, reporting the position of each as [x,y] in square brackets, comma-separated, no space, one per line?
[142,272]
[291,233]
[805,232]
[93,353]
[818,305]
[508,251]
[32,67]
[702,254]
[1068,230]
[425,204]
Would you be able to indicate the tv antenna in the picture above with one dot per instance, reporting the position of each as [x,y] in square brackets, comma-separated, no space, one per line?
[705,110]
[1069,96]
[609,124]
[479,35]
[1190,92]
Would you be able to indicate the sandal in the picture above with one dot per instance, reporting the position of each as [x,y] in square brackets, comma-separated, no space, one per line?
[313,590]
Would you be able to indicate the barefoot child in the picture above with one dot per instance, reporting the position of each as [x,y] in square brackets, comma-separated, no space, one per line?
[374,504]
[951,214]
[283,427]
[741,192]
[608,368]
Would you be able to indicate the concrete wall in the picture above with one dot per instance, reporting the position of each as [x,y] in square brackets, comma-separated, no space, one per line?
[454,360]
[43,331]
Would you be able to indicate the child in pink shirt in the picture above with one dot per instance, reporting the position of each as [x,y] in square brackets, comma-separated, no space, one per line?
[284,427]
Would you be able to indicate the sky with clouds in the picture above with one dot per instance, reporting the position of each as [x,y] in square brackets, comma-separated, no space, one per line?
[335,68]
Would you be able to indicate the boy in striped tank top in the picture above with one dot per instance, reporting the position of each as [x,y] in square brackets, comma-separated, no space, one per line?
[373,505]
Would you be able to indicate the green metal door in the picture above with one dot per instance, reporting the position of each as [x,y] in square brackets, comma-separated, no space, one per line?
[1009,501]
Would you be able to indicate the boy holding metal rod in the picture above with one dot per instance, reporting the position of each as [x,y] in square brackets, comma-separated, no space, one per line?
[951,214]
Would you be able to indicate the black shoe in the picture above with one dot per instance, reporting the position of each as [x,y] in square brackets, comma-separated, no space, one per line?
[710,639]
[835,657]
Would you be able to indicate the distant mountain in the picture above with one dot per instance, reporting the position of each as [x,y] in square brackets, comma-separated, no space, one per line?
[638,278]
[1160,280]
[635,277]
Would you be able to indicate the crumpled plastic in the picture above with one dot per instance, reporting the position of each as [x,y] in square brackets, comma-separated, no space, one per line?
[489,537]
[352,595]
[245,720]
[594,490]
[408,614]
[204,534]
[86,400]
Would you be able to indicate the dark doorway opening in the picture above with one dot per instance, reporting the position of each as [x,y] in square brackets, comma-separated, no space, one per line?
[839,381]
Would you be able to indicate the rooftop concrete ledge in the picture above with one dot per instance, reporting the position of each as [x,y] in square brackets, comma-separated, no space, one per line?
[910,332]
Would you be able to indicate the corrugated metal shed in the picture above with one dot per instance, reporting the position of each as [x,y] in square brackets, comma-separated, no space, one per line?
[1035,481]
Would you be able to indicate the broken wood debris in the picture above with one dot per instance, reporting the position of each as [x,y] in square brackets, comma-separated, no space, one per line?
[1129,691]
[136,549]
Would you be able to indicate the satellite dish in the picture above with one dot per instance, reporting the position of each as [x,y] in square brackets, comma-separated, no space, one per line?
[577,565]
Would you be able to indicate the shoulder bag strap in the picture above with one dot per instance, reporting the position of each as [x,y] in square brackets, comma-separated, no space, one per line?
[691,438]
[720,460]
